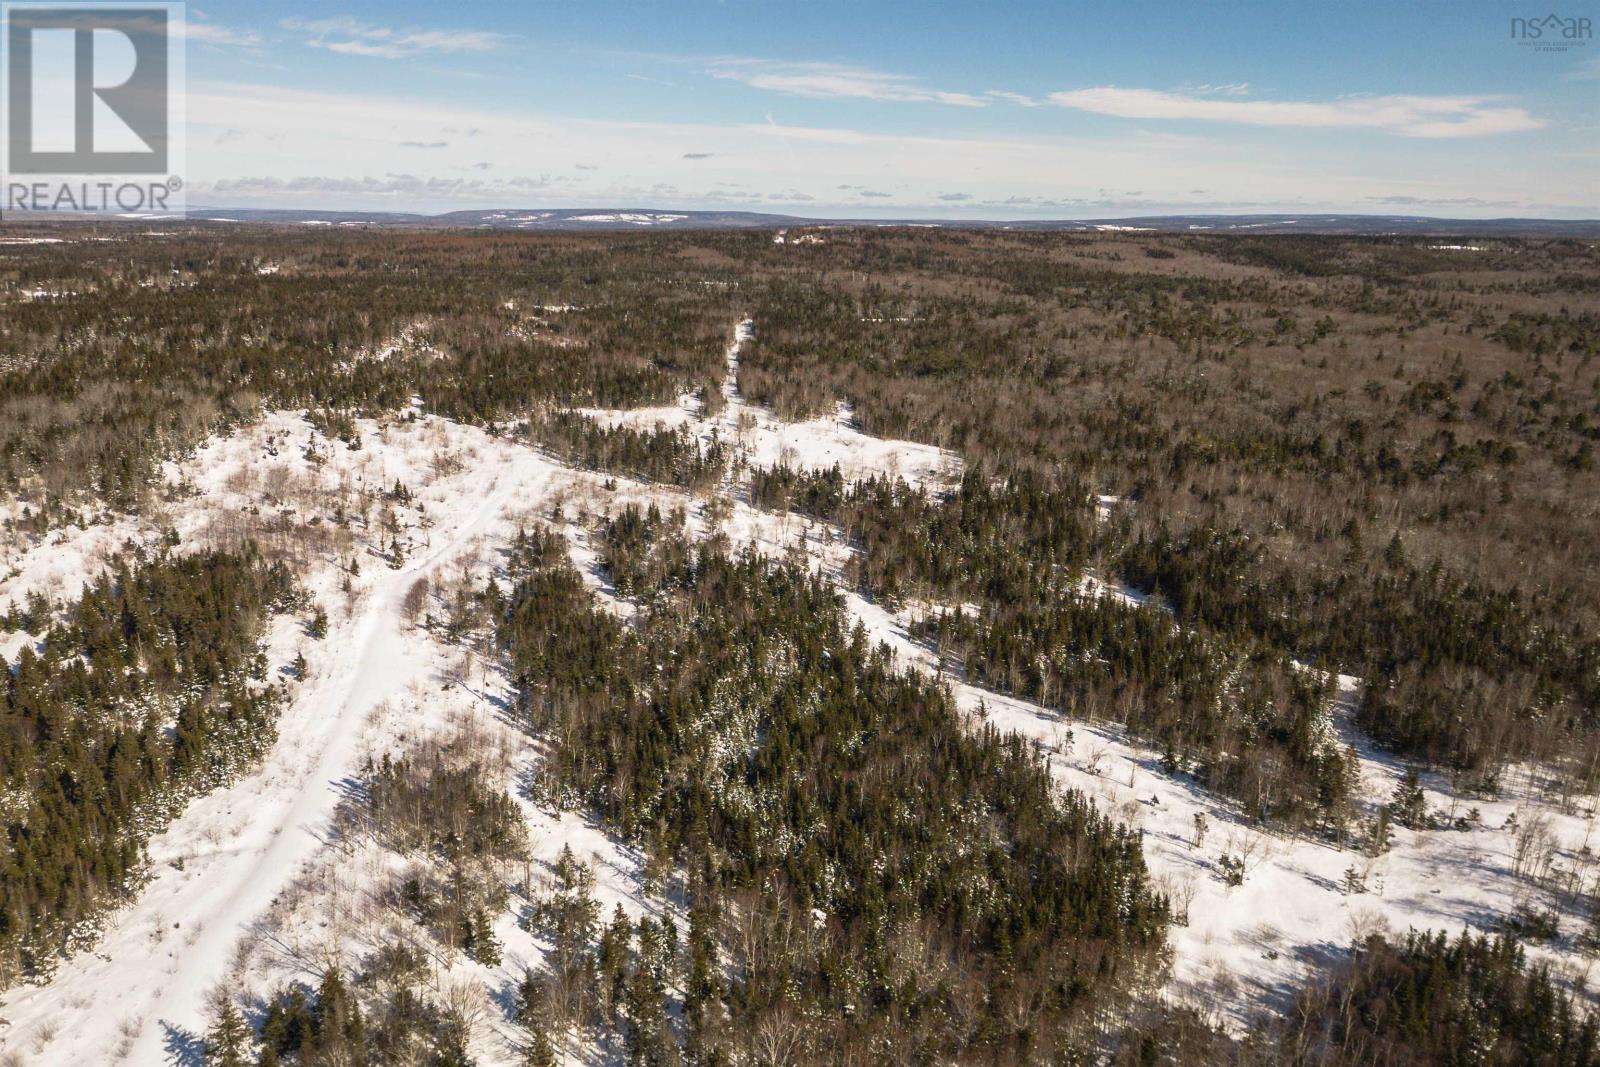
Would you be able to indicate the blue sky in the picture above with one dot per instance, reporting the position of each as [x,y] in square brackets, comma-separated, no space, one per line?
[893,109]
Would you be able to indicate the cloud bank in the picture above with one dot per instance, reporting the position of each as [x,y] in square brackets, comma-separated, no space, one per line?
[1407,116]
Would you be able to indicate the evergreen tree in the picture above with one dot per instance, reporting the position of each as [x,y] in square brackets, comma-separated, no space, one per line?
[229,1040]
[1410,803]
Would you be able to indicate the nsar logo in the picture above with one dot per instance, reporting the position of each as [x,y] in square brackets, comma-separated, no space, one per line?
[1552,33]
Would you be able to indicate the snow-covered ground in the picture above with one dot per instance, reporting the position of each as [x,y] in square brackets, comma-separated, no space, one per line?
[816,444]
[241,845]
[256,864]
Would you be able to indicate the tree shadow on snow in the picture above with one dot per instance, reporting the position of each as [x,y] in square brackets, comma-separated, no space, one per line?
[183,1048]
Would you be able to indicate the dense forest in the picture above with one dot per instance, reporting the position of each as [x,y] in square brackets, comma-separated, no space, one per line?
[1234,709]
[1363,452]
[1370,464]
[872,874]
[1200,477]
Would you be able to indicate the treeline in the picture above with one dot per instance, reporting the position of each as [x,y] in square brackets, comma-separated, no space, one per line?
[1243,719]
[865,876]
[1458,672]
[152,690]
[668,456]
[1419,1000]
[1014,538]
[1431,1000]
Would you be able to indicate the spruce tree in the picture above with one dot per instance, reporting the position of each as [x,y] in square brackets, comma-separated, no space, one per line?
[229,1039]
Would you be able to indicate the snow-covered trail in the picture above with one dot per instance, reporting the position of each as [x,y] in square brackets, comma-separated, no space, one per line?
[764,440]
[151,971]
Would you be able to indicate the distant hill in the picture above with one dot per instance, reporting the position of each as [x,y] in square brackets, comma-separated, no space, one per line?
[613,218]
[512,218]
[652,218]
[1352,225]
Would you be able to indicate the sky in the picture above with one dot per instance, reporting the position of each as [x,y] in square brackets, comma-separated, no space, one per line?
[893,110]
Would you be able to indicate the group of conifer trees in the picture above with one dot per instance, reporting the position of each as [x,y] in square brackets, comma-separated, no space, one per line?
[662,455]
[1012,554]
[868,877]
[151,690]
[1417,1000]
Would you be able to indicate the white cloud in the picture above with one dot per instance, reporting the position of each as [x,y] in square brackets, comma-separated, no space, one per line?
[1409,116]
[837,81]
[1586,71]
[1016,98]
[349,37]
[211,33]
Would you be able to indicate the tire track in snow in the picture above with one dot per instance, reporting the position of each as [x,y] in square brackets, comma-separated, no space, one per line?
[162,954]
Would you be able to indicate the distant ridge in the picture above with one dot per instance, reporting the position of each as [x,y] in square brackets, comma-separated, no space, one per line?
[611,218]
